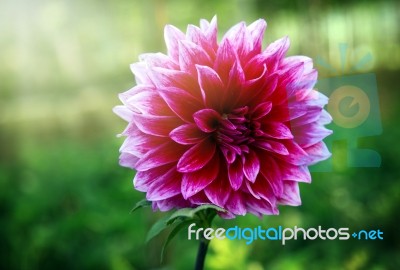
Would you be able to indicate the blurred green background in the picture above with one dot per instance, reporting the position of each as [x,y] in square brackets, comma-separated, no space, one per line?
[64,200]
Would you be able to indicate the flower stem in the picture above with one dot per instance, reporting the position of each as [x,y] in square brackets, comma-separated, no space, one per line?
[206,218]
[201,254]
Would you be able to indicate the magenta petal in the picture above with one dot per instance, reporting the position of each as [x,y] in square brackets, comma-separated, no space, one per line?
[263,189]
[187,134]
[271,171]
[295,173]
[181,102]
[272,146]
[207,120]
[261,110]
[219,190]
[239,38]
[165,78]
[149,102]
[171,152]
[194,182]
[156,125]
[195,35]
[138,143]
[235,173]
[312,115]
[226,57]
[276,51]
[277,130]
[128,160]
[157,60]
[143,179]
[234,87]
[141,72]
[251,166]
[310,134]
[191,54]
[291,194]
[235,204]
[123,112]
[211,86]
[176,201]
[172,37]
[257,30]
[316,153]
[260,207]
[298,156]
[196,157]
[166,186]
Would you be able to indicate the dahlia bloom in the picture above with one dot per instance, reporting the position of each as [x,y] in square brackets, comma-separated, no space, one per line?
[223,123]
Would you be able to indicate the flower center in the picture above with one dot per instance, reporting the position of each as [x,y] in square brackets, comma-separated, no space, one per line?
[235,133]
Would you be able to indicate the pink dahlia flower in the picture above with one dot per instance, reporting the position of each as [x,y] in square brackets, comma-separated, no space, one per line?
[223,123]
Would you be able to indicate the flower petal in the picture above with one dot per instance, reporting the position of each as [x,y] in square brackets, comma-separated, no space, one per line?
[194,182]
[181,102]
[272,146]
[257,30]
[128,160]
[211,86]
[149,102]
[298,155]
[226,57]
[275,52]
[166,186]
[236,204]
[240,39]
[316,153]
[260,207]
[295,173]
[251,166]
[310,134]
[191,54]
[164,154]
[196,157]
[270,170]
[235,174]
[172,36]
[261,110]
[123,112]
[156,125]
[276,130]
[163,78]
[157,60]
[219,190]
[187,134]
[207,120]
[197,36]
[141,72]
[291,194]
[139,143]
[143,179]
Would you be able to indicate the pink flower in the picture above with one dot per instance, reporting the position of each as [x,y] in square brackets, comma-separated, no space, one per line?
[226,124]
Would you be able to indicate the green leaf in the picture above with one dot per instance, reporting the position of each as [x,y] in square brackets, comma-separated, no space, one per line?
[173,233]
[140,204]
[157,228]
[208,206]
[191,212]
[181,213]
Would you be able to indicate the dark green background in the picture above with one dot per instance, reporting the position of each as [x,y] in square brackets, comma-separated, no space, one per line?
[64,200]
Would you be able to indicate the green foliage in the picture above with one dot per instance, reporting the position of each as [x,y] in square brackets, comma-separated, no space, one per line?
[65,201]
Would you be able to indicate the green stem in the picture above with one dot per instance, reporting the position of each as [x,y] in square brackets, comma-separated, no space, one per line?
[206,218]
[201,254]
